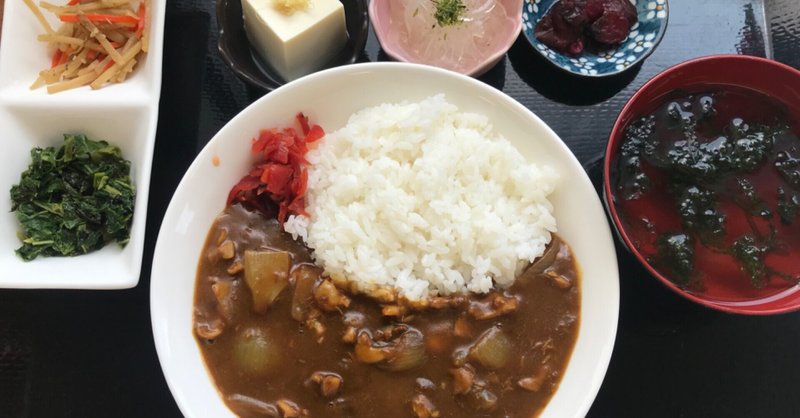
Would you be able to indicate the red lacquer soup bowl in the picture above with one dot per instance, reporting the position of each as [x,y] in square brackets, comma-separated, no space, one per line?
[751,263]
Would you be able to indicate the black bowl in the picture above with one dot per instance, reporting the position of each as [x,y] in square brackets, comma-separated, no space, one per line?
[247,64]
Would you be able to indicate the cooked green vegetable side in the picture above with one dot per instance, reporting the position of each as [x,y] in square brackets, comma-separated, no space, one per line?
[73,199]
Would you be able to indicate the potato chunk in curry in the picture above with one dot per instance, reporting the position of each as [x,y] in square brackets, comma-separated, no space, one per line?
[267,274]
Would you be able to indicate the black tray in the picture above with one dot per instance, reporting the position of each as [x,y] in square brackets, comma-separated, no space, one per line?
[91,354]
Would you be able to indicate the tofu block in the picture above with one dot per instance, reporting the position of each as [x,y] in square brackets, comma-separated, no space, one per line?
[299,43]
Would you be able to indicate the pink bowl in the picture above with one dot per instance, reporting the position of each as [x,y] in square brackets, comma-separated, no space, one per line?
[382,24]
[767,77]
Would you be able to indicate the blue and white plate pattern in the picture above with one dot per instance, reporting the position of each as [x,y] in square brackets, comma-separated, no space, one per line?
[642,40]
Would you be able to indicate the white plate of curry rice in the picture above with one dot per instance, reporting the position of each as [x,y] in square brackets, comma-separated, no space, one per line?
[385,239]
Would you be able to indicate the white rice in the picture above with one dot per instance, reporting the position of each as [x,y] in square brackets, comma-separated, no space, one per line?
[424,199]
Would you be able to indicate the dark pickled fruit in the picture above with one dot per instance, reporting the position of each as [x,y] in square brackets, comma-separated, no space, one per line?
[576,47]
[623,6]
[555,33]
[593,9]
[579,12]
[610,28]
[571,25]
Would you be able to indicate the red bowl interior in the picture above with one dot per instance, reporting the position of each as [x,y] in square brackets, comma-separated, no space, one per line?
[770,78]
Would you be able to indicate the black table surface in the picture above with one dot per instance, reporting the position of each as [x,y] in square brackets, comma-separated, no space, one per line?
[68,353]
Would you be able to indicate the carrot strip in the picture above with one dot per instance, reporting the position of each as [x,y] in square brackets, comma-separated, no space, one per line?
[107,5]
[99,41]
[56,58]
[98,17]
[142,16]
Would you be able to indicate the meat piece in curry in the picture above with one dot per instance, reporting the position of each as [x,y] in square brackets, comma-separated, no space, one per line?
[281,340]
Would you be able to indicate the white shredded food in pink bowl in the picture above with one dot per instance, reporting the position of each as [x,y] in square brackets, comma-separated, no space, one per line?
[466,36]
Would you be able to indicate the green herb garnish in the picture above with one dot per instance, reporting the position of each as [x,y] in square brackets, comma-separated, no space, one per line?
[74,199]
[449,12]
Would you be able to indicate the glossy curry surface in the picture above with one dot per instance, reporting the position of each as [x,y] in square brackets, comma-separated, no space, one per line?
[499,355]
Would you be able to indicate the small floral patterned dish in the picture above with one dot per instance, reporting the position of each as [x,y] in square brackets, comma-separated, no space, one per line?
[640,43]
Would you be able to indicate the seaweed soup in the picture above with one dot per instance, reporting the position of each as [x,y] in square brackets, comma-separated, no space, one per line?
[707,185]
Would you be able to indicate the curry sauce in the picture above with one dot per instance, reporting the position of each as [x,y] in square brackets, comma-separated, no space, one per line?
[322,352]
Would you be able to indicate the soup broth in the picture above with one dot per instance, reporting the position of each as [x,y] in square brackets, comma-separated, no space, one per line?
[708,187]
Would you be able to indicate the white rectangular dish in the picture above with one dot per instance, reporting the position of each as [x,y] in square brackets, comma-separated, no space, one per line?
[123,114]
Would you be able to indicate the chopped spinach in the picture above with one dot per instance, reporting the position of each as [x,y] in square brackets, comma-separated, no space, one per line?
[73,199]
